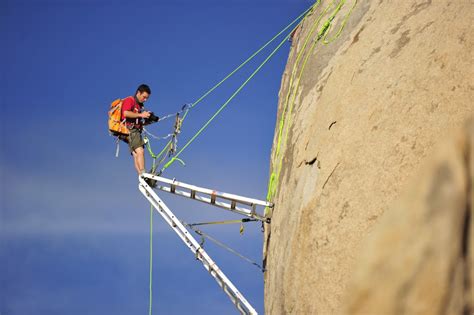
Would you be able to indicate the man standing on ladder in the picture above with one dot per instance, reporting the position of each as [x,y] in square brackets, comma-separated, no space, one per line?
[135,117]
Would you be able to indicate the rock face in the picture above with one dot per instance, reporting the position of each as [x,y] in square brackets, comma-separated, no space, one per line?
[357,120]
[418,259]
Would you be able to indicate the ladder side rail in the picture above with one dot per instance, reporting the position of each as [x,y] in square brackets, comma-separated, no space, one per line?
[227,206]
[228,196]
[203,199]
[168,217]
[202,190]
[242,199]
[236,297]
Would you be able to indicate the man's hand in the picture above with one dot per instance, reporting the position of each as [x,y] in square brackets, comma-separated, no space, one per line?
[130,114]
[145,115]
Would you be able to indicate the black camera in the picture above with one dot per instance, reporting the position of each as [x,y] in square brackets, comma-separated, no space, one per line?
[152,118]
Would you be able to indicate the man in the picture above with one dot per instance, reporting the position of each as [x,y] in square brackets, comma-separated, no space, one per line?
[135,117]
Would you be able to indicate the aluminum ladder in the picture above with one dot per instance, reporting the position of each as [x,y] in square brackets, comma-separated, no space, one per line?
[237,204]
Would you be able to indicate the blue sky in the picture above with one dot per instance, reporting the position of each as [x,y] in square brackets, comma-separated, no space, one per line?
[74,228]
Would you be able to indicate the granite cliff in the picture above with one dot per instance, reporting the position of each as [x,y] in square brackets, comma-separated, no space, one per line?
[361,116]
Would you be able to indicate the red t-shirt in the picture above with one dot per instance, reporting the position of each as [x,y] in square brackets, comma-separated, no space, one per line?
[131,104]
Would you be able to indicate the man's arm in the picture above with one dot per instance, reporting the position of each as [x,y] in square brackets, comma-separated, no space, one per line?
[130,114]
[127,110]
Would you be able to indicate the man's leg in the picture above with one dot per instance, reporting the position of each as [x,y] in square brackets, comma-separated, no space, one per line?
[139,159]
[138,153]
[136,143]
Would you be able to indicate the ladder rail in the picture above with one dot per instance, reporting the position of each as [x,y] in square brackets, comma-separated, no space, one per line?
[228,287]
[227,206]
[207,191]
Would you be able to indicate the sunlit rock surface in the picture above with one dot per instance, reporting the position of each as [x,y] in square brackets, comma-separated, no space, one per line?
[368,111]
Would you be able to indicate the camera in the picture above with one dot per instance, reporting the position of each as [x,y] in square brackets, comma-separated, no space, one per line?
[152,119]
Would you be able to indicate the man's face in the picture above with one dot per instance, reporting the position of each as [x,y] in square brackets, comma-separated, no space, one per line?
[142,96]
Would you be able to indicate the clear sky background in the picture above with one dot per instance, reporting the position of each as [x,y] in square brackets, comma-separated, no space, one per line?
[74,228]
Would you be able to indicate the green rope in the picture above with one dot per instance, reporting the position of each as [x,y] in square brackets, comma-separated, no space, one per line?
[322,34]
[306,12]
[343,25]
[300,54]
[151,261]
[173,159]
[252,56]
[274,177]
[224,105]
[151,257]
[150,151]
[164,149]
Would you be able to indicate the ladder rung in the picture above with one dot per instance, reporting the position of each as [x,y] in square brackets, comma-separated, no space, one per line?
[210,192]
[220,204]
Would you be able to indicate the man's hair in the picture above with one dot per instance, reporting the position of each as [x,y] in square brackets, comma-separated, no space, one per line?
[143,88]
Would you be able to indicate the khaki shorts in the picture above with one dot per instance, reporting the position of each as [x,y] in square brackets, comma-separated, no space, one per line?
[135,140]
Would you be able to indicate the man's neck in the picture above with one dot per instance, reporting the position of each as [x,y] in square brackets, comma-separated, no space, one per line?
[138,102]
